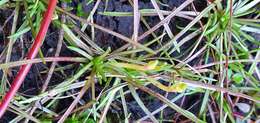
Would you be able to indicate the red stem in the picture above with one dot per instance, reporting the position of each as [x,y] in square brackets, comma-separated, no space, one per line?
[32,54]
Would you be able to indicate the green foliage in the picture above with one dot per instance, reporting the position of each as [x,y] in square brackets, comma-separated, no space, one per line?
[99,68]
[80,11]
[79,119]
[67,1]
[2,2]
[238,78]
[45,119]
[124,68]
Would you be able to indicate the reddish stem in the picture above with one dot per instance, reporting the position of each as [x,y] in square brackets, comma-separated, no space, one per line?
[32,54]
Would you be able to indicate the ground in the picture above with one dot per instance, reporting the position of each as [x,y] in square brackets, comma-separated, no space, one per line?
[193,99]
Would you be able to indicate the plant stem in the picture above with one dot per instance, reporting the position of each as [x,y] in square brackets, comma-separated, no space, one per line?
[31,55]
[39,60]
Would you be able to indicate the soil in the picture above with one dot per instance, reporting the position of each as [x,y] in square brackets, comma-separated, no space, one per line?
[123,25]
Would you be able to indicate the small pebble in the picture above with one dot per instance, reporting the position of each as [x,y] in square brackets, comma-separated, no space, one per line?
[243,107]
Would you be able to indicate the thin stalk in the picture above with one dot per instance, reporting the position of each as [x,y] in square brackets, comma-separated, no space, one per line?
[53,65]
[166,19]
[28,18]
[39,60]
[75,102]
[17,82]
[136,21]
[10,47]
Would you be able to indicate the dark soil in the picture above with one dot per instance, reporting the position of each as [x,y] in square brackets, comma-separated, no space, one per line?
[123,25]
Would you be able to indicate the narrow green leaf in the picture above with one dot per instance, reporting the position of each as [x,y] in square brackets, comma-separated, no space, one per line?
[2,2]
